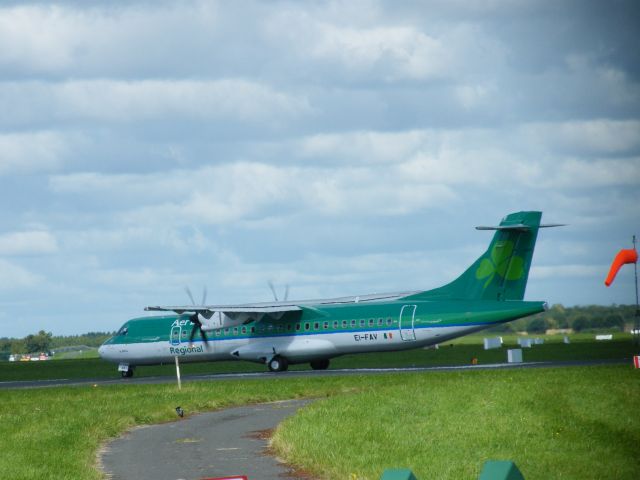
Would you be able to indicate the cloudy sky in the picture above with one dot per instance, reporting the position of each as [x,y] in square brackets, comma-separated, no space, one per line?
[338,147]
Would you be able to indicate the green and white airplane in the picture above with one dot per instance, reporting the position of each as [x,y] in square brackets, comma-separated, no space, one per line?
[282,333]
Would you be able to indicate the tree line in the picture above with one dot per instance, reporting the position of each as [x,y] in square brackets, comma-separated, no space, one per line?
[590,318]
[43,342]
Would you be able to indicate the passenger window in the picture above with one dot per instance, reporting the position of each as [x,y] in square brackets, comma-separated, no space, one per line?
[362,322]
[389,321]
[344,324]
[218,332]
[353,323]
[325,325]
[380,321]
[288,327]
[235,330]
[335,324]
[253,329]
[184,333]
[244,329]
[297,326]
[316,326]
[371,320]
[226,331]
[306,326]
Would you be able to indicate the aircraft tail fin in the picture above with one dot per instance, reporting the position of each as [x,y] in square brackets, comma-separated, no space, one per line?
[500,273]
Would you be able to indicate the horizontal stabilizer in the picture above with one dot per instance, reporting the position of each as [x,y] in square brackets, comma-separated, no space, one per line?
[521,227]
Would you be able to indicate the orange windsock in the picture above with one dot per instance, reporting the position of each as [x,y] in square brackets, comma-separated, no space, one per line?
[623,257]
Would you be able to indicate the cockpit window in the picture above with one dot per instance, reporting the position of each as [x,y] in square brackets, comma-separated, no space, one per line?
[123,330]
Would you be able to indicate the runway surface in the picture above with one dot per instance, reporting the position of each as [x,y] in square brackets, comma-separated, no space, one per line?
[216,444]
[295,374]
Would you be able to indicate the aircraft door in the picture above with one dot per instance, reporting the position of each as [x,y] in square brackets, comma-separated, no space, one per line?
[407,317]
[175,335]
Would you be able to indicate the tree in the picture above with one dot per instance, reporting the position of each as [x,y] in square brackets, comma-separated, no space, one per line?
[614,320]
[581,323]
[537,325]
[38,343]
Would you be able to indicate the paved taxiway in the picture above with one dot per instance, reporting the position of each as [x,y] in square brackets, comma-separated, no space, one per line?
[215,444]
[296,373]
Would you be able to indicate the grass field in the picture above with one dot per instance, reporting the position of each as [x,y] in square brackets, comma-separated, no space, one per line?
[565,423]
[459,352]
[578,422]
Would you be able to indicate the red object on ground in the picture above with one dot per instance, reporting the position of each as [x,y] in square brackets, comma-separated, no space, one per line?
[623,257]
[636,361]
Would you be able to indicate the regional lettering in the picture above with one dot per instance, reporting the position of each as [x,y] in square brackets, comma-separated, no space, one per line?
[365,337]
[185,350]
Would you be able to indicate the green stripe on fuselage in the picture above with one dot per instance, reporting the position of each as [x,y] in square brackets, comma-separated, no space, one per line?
[328,319]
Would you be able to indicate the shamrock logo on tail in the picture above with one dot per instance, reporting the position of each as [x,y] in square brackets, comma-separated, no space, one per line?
[499,264]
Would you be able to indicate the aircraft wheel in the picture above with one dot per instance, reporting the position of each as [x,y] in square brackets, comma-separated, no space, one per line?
[128,373]
[278,364]
[322,364]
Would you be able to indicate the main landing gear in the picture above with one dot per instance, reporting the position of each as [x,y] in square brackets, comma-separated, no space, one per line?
[281,364]
[321,364]
[278,364]
[128,373]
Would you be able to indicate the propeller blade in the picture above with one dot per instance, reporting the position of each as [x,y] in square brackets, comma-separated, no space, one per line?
[286,293]
[186,289]
[204,295]
[273,290]
[193,333]
[197,325]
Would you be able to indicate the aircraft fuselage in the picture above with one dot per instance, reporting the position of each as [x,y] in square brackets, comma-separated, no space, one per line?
[316,332]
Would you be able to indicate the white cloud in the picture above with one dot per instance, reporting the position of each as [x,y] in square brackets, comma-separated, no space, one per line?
[408,53]
[28,243]
[363,146]
[40,38]
[584,174]
[540,272]
[58,39]
[229,193]
[367,44]
[593,137]
[13,276]
[32,152]
[129,101]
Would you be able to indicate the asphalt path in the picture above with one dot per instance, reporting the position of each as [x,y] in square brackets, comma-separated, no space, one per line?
[230,442]
[296,374]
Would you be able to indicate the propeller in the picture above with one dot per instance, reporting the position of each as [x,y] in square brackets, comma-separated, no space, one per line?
[275,295]
[197,325]
[195,318]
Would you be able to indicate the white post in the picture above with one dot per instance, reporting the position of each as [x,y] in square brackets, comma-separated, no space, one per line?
[178,373]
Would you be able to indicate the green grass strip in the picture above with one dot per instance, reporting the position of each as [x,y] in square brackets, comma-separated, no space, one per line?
[554,423]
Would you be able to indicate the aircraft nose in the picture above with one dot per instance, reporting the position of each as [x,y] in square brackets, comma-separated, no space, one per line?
[102,351]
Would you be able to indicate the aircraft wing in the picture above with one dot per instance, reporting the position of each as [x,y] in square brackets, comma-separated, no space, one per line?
[227,309]
[280,306]
[237,314]
[230,315]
